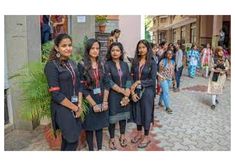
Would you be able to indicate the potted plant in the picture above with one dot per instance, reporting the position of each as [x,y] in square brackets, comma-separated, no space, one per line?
[101,21]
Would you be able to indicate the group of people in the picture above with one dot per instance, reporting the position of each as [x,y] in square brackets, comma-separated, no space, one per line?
[51,26]
[116,92]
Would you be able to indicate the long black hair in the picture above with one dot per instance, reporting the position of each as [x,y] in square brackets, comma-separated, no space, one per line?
[149,52]
[87,61]
[57,41]
[119,45]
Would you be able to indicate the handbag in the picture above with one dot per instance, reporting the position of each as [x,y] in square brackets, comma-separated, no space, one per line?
[215,77]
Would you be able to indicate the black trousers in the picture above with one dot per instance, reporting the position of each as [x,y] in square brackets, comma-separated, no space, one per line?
[68,146]
[99,138]
[122,126]
[139,128]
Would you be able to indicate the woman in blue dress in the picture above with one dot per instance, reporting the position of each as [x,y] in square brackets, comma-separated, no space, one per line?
[144,70]
[193,59]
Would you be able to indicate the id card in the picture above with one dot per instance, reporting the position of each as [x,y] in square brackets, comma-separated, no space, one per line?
[96,91]
[74,99]
[139,86]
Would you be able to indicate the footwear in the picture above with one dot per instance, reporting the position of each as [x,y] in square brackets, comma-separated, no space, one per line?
[216,101]
[176,90]
[213,107]
[123,142]
[112,144]
[144,144]
[168,110]
[135,139]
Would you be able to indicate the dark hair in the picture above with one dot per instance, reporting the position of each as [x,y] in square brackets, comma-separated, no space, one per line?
[87,60]
[162,43]
[115,31]
[57,41]
[119,45]
[149,52]
[193,45]
[153,44]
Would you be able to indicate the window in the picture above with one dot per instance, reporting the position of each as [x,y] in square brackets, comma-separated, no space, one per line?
[161,37]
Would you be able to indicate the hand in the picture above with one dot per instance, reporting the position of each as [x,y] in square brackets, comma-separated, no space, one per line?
[125,101]
[135,97]
[126,92]
[96,108]
[78,113]
[105,106]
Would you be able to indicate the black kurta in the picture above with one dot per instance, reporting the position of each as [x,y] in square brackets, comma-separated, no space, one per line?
[62,117]
[143,109]
[94,120]
[116,111]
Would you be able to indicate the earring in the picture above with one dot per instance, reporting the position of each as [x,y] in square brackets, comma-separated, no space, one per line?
[58,55]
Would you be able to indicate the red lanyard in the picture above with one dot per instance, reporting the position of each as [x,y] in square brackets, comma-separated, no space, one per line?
[140,70]
[96,75]
[71,71]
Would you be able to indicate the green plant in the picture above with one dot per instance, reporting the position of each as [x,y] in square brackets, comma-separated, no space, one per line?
[101,19]
[35,96]
[45,50]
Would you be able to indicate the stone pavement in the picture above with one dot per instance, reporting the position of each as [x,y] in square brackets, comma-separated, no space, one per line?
[193,126]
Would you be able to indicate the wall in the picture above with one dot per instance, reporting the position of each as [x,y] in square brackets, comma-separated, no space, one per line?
[130,32]
[22,43]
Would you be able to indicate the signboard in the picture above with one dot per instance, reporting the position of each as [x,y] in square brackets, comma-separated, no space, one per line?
[103,39]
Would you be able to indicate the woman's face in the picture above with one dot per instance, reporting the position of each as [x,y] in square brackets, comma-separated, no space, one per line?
[221,53]
[195,47]
[155,50]
[169,55]
[117,34]
[142,49]
[115,52]
[208,46]
[94,51]
[65,48]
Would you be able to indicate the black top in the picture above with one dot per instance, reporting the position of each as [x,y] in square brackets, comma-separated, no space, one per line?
[60,79]
[122,78]
[94,120]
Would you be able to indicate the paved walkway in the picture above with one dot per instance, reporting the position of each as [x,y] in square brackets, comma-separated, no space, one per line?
[193,126]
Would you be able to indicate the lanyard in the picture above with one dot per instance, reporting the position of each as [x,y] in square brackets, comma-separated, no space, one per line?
[120,75]
[96,75]
[140,70]
[71,71]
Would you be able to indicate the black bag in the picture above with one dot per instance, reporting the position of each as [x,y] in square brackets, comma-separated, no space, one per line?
[215,77]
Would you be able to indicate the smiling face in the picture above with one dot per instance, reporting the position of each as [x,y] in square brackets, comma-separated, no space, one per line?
[142,49]
[94,51]
[115,52]
[65,48]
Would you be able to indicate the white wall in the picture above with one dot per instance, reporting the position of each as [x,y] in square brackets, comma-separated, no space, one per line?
[130,27]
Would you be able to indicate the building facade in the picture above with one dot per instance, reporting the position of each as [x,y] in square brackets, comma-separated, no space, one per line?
[188,29]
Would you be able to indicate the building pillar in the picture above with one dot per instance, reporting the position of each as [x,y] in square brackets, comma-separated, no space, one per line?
[23,45]
[217,25]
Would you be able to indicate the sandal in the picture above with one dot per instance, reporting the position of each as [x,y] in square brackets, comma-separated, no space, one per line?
[135,139]
[144,145]
[112,145]
[123,142]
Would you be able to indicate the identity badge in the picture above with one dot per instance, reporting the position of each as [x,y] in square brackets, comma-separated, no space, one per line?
[96,91]
[74,99]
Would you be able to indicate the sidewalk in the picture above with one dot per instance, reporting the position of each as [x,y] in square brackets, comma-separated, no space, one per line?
[193,126]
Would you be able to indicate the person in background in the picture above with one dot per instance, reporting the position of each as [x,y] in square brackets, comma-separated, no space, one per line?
[115,34]
[206,59]
[179,66]
[218,67]
[193,58]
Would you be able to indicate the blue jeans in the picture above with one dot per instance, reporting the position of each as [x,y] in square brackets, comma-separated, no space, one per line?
[165,92]
[178,76]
